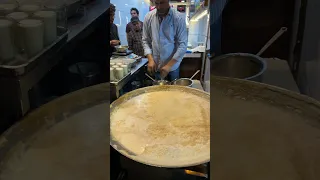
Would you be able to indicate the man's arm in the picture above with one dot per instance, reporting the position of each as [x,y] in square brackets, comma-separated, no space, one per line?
[128,27]
[147,44]
[181,38]
[129,39]
[117,34]
[146,39]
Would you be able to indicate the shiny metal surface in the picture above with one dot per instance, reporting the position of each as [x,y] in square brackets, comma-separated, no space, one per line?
[140,91]
[161,82]
[121,48]
[66,138]
[255,123]
[183,82]
[239,65]
[158,82]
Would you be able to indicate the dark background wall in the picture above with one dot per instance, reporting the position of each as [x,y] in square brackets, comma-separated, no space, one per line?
[248,24]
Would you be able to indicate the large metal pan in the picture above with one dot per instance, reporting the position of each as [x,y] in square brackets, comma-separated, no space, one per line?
[126,152]
[67,138]
[263,132]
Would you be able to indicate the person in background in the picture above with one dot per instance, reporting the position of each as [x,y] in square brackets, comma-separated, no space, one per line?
[114,36]
[134,37]
[134,13]
[164,40]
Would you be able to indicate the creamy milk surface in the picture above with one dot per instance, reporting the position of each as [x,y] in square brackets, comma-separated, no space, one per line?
[165,127]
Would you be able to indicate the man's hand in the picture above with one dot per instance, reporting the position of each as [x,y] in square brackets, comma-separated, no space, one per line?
[152,67]
[114,42]
[164,71]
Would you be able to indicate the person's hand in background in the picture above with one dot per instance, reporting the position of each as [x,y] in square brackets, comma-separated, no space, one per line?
[114,43]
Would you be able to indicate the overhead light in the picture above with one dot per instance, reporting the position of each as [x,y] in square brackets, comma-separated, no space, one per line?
[182,1]
[201,15]
[126,4]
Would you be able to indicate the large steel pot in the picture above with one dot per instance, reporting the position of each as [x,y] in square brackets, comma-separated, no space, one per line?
[263,132]
[239,65]
[128,153]
[67,138]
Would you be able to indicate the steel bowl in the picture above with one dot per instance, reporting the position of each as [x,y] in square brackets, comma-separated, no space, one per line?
[121,48]
[183,82]
[239,65]
[161,83]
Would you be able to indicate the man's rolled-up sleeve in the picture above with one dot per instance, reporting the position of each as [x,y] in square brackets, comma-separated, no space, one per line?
[181,40]
[146,38]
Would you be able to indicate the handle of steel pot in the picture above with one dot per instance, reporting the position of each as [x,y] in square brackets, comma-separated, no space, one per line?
[272,40]
[194,74]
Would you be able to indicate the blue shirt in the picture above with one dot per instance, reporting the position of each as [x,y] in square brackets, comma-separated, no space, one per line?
[166,39]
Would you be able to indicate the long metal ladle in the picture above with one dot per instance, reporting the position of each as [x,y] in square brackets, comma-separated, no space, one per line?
[150,77]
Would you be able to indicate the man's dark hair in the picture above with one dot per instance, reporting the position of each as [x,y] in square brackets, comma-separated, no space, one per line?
[112,8]
[135,9]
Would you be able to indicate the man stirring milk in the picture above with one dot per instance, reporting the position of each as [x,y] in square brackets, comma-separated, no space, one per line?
[164,40]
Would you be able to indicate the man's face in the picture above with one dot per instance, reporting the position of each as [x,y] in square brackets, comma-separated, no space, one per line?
[162,6]
[136,26]
[111,17]
[134,13]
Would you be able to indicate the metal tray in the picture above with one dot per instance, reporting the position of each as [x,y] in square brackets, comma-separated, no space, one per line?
[122,53]
[22,65]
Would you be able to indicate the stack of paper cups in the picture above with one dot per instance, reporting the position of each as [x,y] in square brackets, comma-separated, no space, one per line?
[16,17]
[6,40]
[7,8]
[119,64]
[112,64]
[112,78]
[125,69]
[49,19]
[119,73]
[29,8]
[32,35]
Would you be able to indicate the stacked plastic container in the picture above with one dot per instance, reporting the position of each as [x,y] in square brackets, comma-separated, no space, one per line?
[27,27]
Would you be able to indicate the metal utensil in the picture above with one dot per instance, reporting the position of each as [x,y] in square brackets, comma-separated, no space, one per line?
[161,82]
[150,77]
[183,82]
[194,74]
[272,40]
[243,65]
[158,82]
